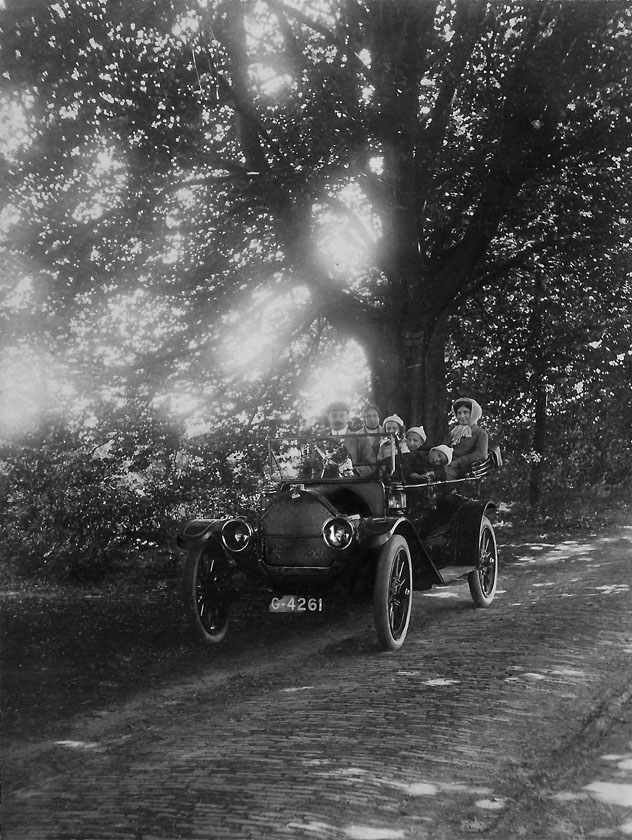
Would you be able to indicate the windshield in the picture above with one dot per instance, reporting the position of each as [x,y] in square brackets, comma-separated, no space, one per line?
[329,457]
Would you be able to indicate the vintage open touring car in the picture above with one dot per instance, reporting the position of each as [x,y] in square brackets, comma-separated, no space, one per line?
[326,524]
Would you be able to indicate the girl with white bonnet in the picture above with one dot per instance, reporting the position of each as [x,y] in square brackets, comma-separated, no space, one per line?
[414,461]
[466,439]
[393,425]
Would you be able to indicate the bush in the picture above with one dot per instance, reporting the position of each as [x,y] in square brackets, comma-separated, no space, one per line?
[73,511]
[80,505]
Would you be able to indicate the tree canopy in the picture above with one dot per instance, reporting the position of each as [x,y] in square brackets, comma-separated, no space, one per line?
[222,207]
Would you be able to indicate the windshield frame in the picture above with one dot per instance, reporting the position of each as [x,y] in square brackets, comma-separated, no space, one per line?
[321,446]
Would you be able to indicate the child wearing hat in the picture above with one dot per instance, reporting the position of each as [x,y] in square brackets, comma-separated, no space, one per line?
[439,458]
[393,427]
[414,462]
[429,465]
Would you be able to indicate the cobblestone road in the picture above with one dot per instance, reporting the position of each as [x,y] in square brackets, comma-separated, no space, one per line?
[483,719]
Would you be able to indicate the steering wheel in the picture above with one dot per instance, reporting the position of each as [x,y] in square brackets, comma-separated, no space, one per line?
[327,461]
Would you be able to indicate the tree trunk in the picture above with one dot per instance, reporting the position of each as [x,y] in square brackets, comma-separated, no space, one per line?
[434,394]
[539,391]
[539,435]
[409,378]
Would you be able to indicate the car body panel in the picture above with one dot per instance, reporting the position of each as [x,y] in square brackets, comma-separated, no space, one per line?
[289,544]
[196,532]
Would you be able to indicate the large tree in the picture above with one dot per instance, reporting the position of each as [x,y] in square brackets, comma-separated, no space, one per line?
[198,161]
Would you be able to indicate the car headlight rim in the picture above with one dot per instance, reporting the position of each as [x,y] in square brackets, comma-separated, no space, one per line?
[236,535]
[338,533]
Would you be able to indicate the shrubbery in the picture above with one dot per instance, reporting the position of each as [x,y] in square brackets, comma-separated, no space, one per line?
[104,498]
[75,509]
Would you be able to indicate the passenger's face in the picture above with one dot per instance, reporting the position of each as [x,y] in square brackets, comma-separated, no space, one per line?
[371,419]
[436,458]
[338,419]
[413,440]
[463,415]
[391,428]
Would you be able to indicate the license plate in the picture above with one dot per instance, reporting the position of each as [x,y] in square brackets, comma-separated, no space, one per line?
[296,604]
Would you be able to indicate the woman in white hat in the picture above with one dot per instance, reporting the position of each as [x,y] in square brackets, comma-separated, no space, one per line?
[466,438]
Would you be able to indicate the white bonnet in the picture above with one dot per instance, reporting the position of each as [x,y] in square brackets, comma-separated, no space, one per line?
[393,418]
[418,430]
[446,451]
[476,412]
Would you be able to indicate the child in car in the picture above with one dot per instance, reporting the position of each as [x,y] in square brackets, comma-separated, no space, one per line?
[439,458]
[394,428]
[414,462]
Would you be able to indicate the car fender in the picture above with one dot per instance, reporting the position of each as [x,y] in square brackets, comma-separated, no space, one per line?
[468,528]
[196,532]
[376,531]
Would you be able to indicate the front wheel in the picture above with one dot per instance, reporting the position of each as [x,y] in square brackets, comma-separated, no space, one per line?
[393,593]
[484,579]
[206,594]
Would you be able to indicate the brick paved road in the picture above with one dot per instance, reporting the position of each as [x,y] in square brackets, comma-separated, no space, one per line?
[487,722]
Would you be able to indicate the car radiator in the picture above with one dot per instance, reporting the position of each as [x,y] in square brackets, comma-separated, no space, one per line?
[291,533]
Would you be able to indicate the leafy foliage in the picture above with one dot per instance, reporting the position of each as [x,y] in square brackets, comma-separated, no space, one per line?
[201,204]
[79,505]
[185,163]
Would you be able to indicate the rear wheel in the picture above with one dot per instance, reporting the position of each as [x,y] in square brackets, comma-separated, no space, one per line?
[207,593]
[392,593]
[484,579]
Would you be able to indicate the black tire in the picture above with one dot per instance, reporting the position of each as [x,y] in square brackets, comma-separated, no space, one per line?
[207,593]
[393,593]
[484,579]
